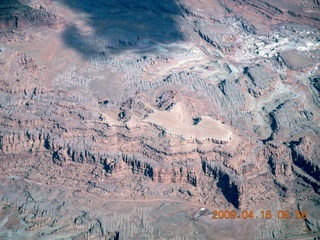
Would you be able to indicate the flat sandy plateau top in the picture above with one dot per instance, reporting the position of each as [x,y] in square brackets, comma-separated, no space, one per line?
[296,60]
[177,121]
[170,119]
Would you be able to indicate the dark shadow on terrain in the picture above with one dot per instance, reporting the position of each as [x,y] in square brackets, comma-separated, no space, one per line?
[230,191]
[121,24]
[10,15]
[9,10]
[17,14]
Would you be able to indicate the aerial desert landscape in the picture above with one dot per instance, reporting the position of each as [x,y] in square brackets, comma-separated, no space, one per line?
[171,119]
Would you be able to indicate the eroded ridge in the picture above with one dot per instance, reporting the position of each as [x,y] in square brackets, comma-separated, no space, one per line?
[118,125]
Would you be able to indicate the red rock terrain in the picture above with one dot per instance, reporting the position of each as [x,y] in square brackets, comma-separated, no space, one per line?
[124,120]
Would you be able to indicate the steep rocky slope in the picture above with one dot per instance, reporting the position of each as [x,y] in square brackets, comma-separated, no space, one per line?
[109,118]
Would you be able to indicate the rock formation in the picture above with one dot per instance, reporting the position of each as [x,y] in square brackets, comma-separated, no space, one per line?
[122,126]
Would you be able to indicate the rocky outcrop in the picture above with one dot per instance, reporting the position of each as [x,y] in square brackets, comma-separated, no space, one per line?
[161,174]
[258,76]
[14,22]
[291,117]
[306,158]
[222,41]
[315,87]
[280,160]
[231,185]
[188,102]
[166,100]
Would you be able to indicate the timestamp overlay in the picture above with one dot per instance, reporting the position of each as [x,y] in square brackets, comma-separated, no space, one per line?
[262,214]
[272,222]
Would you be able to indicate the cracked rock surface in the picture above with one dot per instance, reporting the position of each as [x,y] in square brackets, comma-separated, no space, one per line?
[135,120]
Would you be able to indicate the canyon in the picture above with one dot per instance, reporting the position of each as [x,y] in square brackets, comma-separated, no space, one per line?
[135,120]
